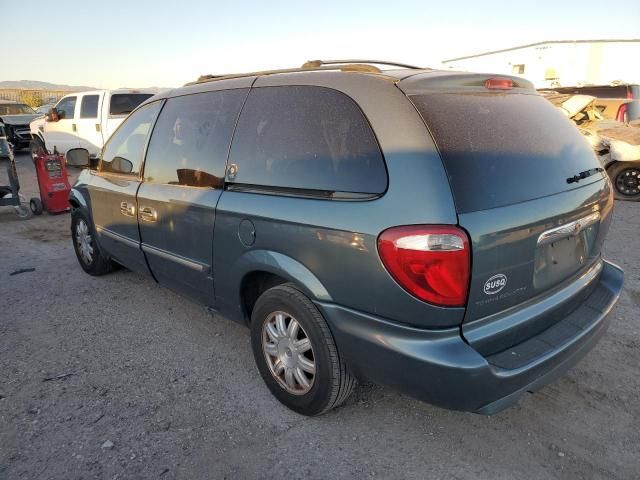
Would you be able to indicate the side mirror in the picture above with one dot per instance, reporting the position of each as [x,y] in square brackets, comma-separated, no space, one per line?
[78,158]
[121,165]
[53,115]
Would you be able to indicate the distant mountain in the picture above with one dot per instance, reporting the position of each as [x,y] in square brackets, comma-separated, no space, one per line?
[37,85]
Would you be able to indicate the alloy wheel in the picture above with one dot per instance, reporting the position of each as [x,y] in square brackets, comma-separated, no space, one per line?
[288,352]
[84,242]
[628,181]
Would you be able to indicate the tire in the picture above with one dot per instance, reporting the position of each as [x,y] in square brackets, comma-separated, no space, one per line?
[91,258]
[625,177]
[35,204]
[331,382]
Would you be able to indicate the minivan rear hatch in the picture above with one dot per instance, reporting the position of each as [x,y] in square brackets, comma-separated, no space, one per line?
[528,189]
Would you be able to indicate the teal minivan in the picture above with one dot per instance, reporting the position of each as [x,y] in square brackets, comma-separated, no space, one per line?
[435,231]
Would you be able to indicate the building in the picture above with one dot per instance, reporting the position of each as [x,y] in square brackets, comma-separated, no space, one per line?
[561,63]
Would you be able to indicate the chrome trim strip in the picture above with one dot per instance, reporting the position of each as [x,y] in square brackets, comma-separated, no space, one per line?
[199,267]
[117,237]
[568,229]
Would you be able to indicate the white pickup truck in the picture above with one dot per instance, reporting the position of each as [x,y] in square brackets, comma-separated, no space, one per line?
[80,123]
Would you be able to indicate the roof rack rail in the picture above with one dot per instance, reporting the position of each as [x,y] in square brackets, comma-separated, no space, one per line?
[363,66]
[319,63]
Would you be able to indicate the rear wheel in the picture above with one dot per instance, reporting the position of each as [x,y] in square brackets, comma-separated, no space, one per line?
[296,354]
[625,177]
[91,258]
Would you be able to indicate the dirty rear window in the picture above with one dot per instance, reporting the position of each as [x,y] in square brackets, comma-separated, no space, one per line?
[499,149]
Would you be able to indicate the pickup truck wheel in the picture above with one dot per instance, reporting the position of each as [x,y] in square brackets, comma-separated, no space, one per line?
[625,177]
[296,354]
[91,258]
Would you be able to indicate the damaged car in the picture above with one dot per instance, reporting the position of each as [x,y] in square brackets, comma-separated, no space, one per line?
[616,144]
[16,118]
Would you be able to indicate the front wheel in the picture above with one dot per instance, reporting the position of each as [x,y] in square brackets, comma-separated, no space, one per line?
[91,258]
[296,354]
[625,177]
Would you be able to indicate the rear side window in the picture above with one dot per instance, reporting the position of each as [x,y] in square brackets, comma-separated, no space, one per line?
[125,103]
[66,108]
[89,106]
[499,149]
[190,141]
[309,138]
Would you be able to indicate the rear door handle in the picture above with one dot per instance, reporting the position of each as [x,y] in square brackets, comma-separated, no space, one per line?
[73,127]
[148,214]
[127,209]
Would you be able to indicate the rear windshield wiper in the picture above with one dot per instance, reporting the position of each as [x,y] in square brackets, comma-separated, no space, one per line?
[585,174]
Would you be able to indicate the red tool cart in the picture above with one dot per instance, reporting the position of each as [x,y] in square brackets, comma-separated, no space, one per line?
[53,182]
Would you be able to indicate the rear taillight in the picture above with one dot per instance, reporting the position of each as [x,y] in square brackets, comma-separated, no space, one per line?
[499,84]
[622,113]
[430,262]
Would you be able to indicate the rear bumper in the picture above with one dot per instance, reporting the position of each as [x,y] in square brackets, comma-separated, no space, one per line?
[439,367]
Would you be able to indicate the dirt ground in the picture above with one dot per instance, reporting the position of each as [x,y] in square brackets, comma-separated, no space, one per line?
[118,378]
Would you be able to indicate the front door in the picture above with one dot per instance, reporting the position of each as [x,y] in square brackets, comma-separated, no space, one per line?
[62,134]
[183,180]
[113,191]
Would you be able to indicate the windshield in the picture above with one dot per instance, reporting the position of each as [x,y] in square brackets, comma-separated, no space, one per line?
[15,109]
[125,103]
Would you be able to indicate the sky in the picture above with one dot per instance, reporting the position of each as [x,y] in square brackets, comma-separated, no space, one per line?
[140,43]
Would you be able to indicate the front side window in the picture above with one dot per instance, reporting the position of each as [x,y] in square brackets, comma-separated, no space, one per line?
[66,108]
[124,151]
[89,106]
[191,139]
[309,138]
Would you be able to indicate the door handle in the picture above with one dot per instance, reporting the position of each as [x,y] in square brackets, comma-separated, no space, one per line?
[148,214]
[73,127]
[127,209]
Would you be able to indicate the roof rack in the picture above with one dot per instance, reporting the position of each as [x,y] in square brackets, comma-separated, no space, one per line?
[363,66]
[319,63]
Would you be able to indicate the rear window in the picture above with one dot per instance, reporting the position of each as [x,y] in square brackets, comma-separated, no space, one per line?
[125,103]
[499,149]
[308,138]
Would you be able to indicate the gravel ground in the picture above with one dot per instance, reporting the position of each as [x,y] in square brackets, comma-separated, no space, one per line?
[116,377]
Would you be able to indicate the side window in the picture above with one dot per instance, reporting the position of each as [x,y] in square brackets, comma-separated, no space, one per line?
[89,106]
[306,137]
[125,103]
[66,108]
[124,150]
[191,139]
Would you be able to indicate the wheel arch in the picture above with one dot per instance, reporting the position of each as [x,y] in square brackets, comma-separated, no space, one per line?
[77,201]
[258,270]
